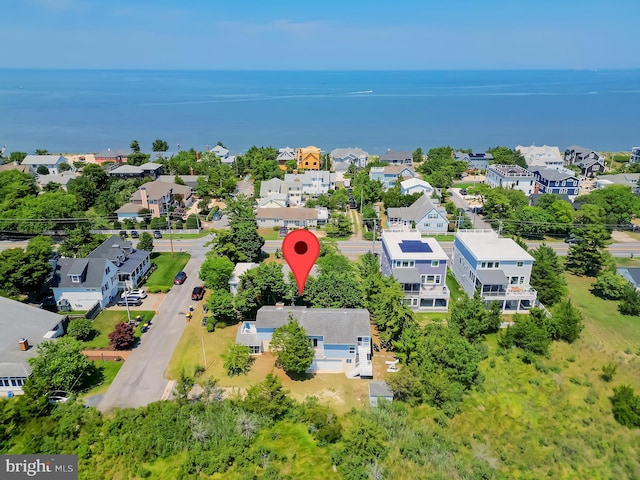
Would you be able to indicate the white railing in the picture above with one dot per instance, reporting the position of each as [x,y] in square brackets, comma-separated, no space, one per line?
[512,292]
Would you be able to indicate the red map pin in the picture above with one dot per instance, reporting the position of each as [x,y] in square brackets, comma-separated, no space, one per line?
[301,249]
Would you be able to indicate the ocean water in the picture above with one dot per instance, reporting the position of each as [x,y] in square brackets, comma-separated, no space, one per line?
[80,111]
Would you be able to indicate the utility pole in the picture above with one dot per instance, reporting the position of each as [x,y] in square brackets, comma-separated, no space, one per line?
[170,231]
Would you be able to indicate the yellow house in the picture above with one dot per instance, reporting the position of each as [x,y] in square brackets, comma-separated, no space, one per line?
[308,158]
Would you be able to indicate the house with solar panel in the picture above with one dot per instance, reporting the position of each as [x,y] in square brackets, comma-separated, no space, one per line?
[341,337]
[497,267]
[419,265]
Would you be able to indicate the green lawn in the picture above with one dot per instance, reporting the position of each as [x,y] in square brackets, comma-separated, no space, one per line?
[109,371]
[188,236]
[107,320]
[168,266]
[445,237]
[270,233]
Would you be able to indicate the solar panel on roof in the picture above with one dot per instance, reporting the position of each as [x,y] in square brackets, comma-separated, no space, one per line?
[415,246]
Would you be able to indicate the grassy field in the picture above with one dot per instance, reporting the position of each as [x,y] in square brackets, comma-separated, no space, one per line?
[269,234]
[188,236]
[168,266]
[110,369]
[105,323]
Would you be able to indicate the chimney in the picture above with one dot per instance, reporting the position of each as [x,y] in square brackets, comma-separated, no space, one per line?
[24,344]
[144,197]
[280,306]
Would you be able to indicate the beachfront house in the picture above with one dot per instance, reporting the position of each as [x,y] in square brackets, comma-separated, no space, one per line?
[23,328]
[341,337]
[576,154]
[61,179]
[544,156]
[317,182]
[308,158]
[498,268]
[424,215]
[635,155]
[285,154]
[397,157]
[557,181]
[389,175]
[51,162]
[146,170]
[117,156]
[341,158]
[510,177]
[474,161]
[419,265]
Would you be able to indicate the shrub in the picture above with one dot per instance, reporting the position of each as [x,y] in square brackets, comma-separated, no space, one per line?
[123,337]
[158,289]
[237,359]
[117,225]
[211,324]
[192,221]
[626,406]
[81,329]
[608,372]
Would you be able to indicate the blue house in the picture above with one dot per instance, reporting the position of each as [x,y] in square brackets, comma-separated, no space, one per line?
[391,174]
[474,161]
[425,215]
[420,266]
[341,337]
[558,181]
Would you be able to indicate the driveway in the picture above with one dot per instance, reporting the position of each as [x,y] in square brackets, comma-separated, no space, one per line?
[461,202]
[141,379]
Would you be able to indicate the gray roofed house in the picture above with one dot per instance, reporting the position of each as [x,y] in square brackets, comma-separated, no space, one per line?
[631,274]
[15,166]
[397,157]
[51,162]
[132,264]
[133,171]
[189,180]
[341,337]
[627,179]
[275,200]
[23,328]
[316,182]
[271,186]
[61,179]
[425,215]
[576,154]
[343,157]
[591,168]
[285,154]
[287,217]
[80,283]
[556,180]
[474,161]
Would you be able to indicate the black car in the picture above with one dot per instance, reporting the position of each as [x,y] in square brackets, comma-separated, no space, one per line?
[463,191]
[572,239]
[123,234]
[157,234]
[134,234]
[198,293]
[180,278]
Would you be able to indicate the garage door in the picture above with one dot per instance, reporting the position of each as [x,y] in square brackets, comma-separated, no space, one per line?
[328,366]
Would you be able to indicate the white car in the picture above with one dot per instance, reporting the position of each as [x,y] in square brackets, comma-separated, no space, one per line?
[138,292]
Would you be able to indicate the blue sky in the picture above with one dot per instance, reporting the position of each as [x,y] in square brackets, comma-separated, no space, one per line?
[329,34]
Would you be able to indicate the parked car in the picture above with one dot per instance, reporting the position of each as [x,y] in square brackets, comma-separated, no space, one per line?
[130,301]
[157,234]
[137,292]
[123,234]
[463,191]
[134,234]
[283,231]
[180,278]
[198,293]
[217,216]
[572,239]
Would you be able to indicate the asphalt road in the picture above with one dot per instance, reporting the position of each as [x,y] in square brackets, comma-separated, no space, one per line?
[141,380]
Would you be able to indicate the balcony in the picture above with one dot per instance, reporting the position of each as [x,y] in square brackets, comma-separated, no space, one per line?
[520,291]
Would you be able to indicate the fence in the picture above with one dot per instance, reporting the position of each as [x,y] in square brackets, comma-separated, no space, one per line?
[163,231]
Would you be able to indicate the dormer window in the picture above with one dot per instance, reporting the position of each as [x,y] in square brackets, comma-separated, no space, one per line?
[75,278]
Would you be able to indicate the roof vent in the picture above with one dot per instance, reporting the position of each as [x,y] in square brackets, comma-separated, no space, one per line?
[280,306]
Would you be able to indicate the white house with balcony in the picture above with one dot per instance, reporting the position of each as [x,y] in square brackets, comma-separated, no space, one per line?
[50,162]
[419,265]
[496,267]
[512,177]
[544,156]
[341,337]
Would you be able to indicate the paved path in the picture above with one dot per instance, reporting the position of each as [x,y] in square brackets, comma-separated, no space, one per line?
[141,380]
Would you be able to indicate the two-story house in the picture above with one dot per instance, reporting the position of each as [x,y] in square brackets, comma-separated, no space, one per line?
[341,337]
[116,155]
[420,266]
[414,185]
[291,217]
[397,157]
[474,160]
[424,215]
[544,156]
[391,174]
[510,177]
[132,263]
[50,162]
[157,197]
[498,268]
[558,181]
[317,182]
[635,155]
[575,154]
[285,154]
[223,154]
[151,170]
[341,158]
[308,158]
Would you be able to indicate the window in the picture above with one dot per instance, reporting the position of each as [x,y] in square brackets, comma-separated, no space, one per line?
[349,360]
[435,263]
[432,279]
[520,264]
[314,341]
[107,270]
[254,349]
[432,215]
[352,349]
[514,280]
[75,278]
[521,280]
[440,225]
[483,265]
[490,265]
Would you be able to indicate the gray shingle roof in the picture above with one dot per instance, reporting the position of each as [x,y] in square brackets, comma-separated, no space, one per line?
[396,155]
[346,152]
[92,278]
[18,321]
[552,173]
[338,326]
[115,246]
[417,210]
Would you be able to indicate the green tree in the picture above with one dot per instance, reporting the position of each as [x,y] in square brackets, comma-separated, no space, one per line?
[145,242]
[60,365]
[216,271]
[617,201]
[64,167]
[566,322]
[79,242]
[339,225]
[609,285]
[81,329]
[472,320]
[263,285]
[221,308]
[588,256]
[608,371]
[160,145]
[42,170]
[41,151]
[625,405]
[388,310]
[17,157]
[546,275]
[529,332]
[417,155]
[507,156]
[267,398]
[85,191]
[96,174]
[237,359]
[333,289]
[292,347]
[630,301]
[135,146]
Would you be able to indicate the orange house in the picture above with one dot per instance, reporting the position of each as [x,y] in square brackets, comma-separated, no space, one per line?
[308,158]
